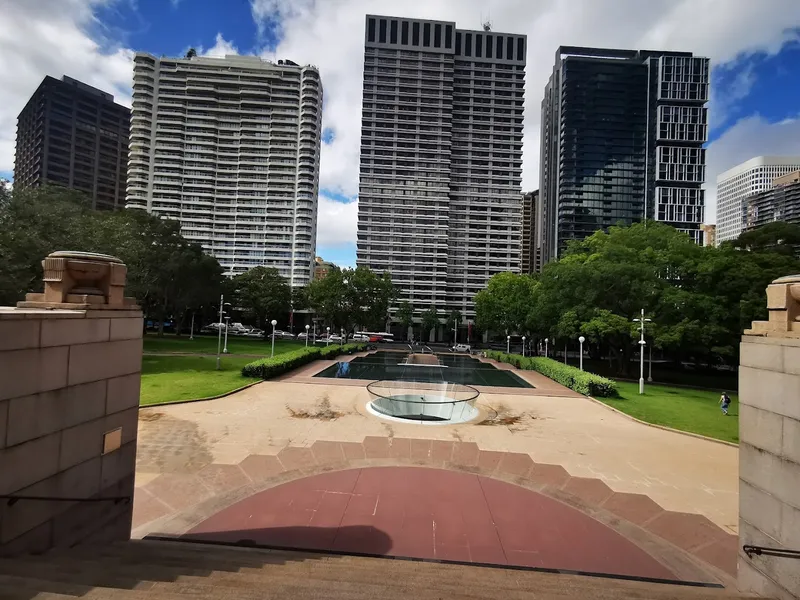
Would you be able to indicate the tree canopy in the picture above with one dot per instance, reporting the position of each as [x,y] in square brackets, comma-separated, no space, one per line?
[263,293]
[700,298]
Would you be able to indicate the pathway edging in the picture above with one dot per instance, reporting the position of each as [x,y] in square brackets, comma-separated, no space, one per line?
[174,402]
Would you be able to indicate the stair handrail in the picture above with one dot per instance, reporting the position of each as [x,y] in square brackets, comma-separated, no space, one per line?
[12,499]
[766,551]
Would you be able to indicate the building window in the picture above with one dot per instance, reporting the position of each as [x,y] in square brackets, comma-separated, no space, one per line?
[448,36]
[393,32]
[404,33]
[478,45]
[489,45]
[499,46]
[467,44]
[415,34]
[382,31]
[520,48]
[426,34]
[371,30]
[510,48]
[437,36]
[458,43]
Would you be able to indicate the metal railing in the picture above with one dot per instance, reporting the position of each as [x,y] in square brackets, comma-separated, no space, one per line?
[12,499]
[764,551]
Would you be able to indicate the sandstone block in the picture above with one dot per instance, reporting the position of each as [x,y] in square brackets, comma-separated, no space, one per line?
[123,393]
[19,334]
[126,329]
[25,372]
[25,464]
[85,441]
[92,362]
[761,428]
[67,332]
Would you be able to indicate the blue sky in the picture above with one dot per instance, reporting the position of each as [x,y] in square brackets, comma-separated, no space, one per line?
[754,51]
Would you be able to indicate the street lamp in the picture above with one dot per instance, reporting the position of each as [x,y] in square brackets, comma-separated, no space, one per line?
[650,365]
[546,341]
[222,305]
[191,331]
[523,345]
[227,326]
[307,328]
[581,340]
[566,341]
[328,339]
[341,338]
[508,344]
[273,322]
[642,344]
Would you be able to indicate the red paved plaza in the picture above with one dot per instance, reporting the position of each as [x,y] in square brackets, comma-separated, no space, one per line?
[429,513]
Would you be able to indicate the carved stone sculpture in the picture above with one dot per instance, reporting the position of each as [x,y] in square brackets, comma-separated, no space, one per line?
[783,302]
[82,280]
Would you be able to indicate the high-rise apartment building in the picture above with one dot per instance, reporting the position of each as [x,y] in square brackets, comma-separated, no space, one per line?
[709,234]
[622,140]
[73,135]
[441,158]
[529,262]
[230,148]
[781,202]
[736,184]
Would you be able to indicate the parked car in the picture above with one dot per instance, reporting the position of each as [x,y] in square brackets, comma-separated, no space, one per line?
[335,338]
[254,333]
[462,348]
[359,337]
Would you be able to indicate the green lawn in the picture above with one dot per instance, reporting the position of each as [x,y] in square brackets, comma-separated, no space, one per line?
[207,344]
[687,409]
[173,378]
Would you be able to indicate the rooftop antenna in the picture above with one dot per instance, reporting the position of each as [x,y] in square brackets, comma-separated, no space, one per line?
[487,25]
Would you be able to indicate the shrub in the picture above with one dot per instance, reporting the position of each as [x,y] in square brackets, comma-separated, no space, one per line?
[582,382]
[266,368]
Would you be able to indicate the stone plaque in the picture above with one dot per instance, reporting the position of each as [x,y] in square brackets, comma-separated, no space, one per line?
[112,440]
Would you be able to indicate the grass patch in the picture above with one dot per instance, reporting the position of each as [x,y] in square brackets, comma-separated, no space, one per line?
[175,378]
[207,344]
[687,409]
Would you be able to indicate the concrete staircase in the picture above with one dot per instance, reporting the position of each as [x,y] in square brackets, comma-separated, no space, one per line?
[165,570]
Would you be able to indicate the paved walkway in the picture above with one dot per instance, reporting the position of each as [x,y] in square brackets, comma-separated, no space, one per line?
[429,513]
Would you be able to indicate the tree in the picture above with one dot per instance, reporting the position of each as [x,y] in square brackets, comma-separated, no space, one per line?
[263,293]
[505,304]
[345,298]
[430,320]
[405,316]
[780,237]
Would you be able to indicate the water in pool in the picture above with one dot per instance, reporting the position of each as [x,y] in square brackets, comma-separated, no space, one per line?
[455,368]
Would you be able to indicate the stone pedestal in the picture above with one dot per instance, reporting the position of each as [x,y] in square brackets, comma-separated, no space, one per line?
[69,396]
[769,448]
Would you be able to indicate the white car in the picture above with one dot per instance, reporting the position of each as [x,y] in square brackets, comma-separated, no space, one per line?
[359,337]
[462,348]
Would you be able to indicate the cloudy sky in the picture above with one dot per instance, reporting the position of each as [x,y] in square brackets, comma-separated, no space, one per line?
[754,48]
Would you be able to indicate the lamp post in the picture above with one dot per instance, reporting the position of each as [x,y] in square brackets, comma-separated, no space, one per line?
[642,344]
[227,324]
[273,322]
[565,350]
[650,364]
[219,327]
[546,341]
[307,328]
[191,331]
[523,345]
[581,339]
[328,339]
[341,338]
[508,344]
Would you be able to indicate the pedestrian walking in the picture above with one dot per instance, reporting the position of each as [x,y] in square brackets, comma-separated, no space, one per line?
[725,402]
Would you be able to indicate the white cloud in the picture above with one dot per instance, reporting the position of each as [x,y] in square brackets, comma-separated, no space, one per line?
[330,35]
[220,49]
[336,221]
[49,37]
[749,137]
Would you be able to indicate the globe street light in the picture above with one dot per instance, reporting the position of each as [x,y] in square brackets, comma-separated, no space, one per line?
[508,344]
[642,343]
[328,339]
[546,340]
[523,345]
[222,305]
[227,326]
[341,338]
[307,328]
[581,340]
[274,322]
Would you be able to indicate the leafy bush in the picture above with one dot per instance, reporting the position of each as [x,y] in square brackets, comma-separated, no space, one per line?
[582,382]
[267,368]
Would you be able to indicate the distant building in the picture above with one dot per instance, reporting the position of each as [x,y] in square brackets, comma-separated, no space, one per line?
[529,260]
[709,235]
[230,148]
[736,184]
[321,268]
[73,135]
[621,140]
[440,198]
[780,203]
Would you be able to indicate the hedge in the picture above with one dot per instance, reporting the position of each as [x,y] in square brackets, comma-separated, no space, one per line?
[582,382]
[266,368]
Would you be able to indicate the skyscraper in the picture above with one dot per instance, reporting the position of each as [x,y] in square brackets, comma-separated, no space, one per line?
[76,136]
[736,184]
[622,139]
[529,262]
[230,148]
[441,158]
[781,202]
